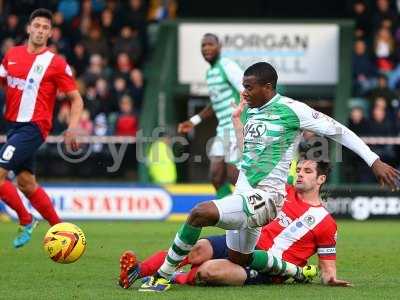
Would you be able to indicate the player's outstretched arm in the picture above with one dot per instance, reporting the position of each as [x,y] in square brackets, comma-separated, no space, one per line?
[328,274]
[321,124]
[70,135]
[188,125]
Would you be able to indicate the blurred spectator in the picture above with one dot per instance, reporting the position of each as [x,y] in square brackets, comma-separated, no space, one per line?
[85,125]
[12,29]
[109,25]
[124,65]
[128,42]
[362,19]
[68,8]
[95,43]
[382,91]
[96,70]
[126,124]
[119,88]
[357,122]
[383,12]
[61,122]
[384,50]
[60,42]
[136,85]
[380,125]
[364,71]
[79,59]
[7,44]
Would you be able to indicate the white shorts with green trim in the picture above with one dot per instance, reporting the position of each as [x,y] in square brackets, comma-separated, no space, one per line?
[243,213]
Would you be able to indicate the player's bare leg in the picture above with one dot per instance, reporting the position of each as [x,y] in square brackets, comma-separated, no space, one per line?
[37,196]
[218,176]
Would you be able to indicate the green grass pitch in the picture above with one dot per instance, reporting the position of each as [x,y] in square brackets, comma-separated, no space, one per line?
[368,256]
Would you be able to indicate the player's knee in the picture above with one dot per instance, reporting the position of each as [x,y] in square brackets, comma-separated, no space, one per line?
[209,273]
[27,185]
[203,214]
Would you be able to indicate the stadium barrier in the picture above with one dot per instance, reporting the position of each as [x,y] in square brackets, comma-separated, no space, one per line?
[173,202]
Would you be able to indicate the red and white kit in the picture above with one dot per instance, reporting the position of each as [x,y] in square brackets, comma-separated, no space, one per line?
[299,231]
[31,82]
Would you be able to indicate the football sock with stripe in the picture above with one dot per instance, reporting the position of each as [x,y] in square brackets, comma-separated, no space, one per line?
[184,241]
[265,262]
[223,191]
[9,194]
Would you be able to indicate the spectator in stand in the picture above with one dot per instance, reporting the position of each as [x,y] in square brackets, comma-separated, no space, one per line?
[362,19]
[12,29]
[95,43]
[364,71]
[85,125]
[380,125]
[109,26]
[134,14]
[382,91]
[79,59]
[136,85]
[354,166]
[129,43]
[7,44]
[68,8]
[62,44]
[61,122]
[126,124]
[382,12]
[119,88]
[124,65]
[384,47]
[96,70]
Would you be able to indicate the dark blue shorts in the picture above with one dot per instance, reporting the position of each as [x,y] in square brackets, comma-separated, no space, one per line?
[218,244]
[18,153]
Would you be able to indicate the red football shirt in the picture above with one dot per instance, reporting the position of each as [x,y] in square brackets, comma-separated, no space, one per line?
[299,231]
[31,84]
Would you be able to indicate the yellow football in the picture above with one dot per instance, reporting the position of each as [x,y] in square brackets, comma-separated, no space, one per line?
[64,243]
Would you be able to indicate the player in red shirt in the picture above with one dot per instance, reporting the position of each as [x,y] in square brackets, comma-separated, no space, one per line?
[31,76]
[302,228]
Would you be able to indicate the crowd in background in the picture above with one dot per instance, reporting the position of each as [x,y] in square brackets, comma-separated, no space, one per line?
[375,108]
[106,44]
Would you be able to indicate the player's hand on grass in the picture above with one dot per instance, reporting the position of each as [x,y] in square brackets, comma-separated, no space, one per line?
[185,127]
[337,282]
[386,175]
[71,139]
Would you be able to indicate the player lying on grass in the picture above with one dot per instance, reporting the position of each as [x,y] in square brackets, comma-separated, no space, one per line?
[303,227]
[269,139]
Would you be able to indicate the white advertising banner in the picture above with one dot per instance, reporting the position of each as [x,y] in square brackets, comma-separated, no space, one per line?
[102,203]
[303,54]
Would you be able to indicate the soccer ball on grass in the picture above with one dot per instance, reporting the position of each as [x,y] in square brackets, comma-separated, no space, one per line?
[64,243]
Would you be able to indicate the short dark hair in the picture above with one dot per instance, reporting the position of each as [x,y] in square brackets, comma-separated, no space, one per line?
[211,35]
[323,168]
[41,12]
[264,72]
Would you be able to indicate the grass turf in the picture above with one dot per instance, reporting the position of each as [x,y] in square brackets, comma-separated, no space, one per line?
[368,256]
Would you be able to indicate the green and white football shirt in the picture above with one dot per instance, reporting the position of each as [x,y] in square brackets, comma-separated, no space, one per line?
[271,136]
[224,81]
